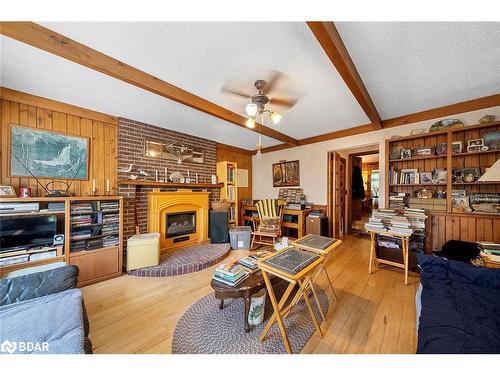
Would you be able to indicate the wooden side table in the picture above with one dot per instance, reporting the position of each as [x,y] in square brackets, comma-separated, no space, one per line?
[405,239]
[303,280]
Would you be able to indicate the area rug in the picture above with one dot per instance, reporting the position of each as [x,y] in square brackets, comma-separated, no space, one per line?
[204,329]
[185,260]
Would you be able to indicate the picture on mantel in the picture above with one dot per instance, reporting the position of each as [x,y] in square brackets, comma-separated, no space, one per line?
[174,151]
[286,173]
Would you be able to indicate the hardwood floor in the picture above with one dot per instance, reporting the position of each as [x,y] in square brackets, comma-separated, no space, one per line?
[375,313]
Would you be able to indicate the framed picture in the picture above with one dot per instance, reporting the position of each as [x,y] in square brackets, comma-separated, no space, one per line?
[471,174]
[396,152]
[286,173]
[440,176]
[44,153]
[456,147]
[406,153]
[7,191]
[423,151]
[173,151]
[492,140]
[475,144]
[442,148]
[426,177]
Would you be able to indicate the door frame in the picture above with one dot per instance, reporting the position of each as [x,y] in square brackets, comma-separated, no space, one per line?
[349,184]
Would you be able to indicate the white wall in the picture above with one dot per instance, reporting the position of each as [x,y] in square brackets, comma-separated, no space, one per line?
[313,157]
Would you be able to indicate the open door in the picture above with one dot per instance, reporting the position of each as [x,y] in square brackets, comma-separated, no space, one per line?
[335,194]
[354,206]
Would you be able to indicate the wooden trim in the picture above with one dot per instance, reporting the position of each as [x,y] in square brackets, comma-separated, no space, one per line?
[434,113]
[54,105]
[329,38]
[170,184]
[57,44]
[223,146]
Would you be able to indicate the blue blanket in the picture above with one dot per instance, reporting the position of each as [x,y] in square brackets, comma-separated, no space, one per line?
[460,307]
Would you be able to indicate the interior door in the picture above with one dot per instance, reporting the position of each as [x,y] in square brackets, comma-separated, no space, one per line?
[342,192]
[334,194]
[356,209]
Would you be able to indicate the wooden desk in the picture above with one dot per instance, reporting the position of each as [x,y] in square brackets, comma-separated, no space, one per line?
[373,254]
[299,225]
[303,280]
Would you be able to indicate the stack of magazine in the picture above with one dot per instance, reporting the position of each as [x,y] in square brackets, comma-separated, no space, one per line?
[230,274]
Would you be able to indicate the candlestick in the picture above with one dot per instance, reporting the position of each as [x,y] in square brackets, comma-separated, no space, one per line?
[196,177]
[188,172]
[93,186]
[156,175]
[166,177]
[107,185]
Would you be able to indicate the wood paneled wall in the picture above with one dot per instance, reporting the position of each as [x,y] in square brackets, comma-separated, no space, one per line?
[36,112]
[244,160]
[472,228]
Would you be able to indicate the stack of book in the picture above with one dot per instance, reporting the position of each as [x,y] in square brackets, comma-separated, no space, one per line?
[398,201]
[375,223]
[110,229]
[417,217]
[492,250]
[230,274]
[400,225]
[108,206]
[110,218]
[81,220]
[110,241]
[56,206]
[81,234]
[77,208]
[78,246]
[248,262]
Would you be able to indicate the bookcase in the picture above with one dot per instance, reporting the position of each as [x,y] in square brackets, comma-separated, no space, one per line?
[227,174]
[451,194]
[92,228]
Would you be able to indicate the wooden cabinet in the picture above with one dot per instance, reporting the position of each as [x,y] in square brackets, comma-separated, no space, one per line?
[97,265]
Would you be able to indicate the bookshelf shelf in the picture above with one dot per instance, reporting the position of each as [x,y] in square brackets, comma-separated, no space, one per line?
[227,172]
[441,164]
[38,213]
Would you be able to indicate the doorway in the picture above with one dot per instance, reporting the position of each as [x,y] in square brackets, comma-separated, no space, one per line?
[336,207]
[362,193]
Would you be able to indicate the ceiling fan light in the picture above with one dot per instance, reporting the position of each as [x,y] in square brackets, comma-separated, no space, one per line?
[251,109]
[250,123]
[275,117]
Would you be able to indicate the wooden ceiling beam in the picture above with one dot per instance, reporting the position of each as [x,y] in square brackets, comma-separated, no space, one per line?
[434,113]
[57,44]
[329,38]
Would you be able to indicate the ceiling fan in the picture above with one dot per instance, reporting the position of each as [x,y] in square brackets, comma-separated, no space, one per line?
[258,101]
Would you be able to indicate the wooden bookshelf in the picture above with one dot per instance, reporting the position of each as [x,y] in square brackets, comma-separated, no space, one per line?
[467,226]
[227,175]
[94,265]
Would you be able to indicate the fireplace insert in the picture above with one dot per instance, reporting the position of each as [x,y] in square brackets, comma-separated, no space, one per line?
[180,224]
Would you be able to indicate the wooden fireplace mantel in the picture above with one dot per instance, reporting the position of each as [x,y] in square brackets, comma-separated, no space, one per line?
[170,184]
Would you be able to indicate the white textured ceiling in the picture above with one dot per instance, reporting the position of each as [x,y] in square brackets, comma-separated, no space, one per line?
[408,67]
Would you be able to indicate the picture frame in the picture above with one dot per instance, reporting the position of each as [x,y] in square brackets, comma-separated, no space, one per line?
[442,148]
[406,153]
[456,147]
[426,177]
[396,153]
[7,191]
[474,145]
[286,173]
[423,151]
[492,140]
[47,154]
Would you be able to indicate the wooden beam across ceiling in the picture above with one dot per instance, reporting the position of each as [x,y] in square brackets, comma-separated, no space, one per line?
[57,44]
[329,38]
[430,114]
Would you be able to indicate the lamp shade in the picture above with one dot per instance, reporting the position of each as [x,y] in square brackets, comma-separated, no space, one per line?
[250,123]
[251,109]
[275,117]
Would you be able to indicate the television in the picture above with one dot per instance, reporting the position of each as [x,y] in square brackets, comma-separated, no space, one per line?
[27,231]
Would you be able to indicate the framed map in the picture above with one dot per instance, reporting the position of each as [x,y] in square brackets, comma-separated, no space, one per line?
[47,154]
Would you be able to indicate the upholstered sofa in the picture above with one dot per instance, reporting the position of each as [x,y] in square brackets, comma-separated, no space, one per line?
[46,310]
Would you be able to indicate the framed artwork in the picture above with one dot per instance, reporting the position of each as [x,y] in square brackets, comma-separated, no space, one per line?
[426,177]
[44,153]
[406,153]
[174,151]
[475,144]
[423,151]
[7,191]
[492,140]
[441,148]
[286,173]
[456,147]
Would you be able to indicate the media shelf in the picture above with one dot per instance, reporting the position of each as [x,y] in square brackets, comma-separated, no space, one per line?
[99,255]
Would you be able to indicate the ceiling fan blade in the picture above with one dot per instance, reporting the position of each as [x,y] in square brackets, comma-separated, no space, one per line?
[283,102]
[271,82]
[231,91]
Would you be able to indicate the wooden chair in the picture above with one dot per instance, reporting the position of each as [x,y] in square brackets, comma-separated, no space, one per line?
[267,228]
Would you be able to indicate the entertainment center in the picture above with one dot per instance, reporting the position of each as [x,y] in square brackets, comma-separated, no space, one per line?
[31,232]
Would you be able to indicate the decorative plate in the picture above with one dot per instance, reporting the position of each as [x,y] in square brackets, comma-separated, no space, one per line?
[441,148]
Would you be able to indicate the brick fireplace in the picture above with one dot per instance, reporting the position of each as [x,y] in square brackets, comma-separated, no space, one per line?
[180,217]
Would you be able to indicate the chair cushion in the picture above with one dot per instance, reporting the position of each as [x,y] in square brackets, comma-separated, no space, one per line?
[269,224]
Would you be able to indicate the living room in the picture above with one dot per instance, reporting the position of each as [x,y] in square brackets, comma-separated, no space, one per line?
[331,187]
